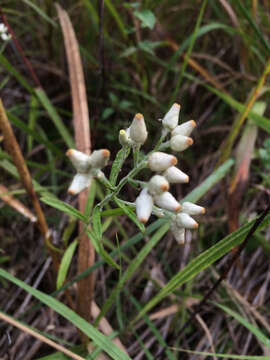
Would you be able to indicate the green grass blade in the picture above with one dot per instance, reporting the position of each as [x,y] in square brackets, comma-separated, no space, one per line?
[202,262]
[99,339]
[253,329]
[34,134]
[46,103]
[253,25]
[62,206]
[40,12]
[116,17]
[258,120]
[151,325]
[209,182]
[187,56]
[65,262]
[6,64]
[129,213]
[134,265]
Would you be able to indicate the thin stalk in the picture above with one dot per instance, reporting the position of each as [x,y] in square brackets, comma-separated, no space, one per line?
[240,120]
[14,150]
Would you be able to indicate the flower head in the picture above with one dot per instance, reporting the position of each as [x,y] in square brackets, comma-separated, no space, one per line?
[87,166]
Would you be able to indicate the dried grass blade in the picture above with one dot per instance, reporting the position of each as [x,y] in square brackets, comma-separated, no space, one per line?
[86,255]
[38,336]
[243,158]
[16,204]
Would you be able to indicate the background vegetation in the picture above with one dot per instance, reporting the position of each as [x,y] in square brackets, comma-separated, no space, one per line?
[213,57]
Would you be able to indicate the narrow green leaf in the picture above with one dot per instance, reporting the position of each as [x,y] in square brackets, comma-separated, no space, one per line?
[5,63]
[253,329]
[116,17]
[40,12]
[34,134]
[133,266]
[258,120]
[203,261]
[44,100]
[129,212]
[209,182]
[118,163]
[96,221]
[100,249]
[99,339]
[62,206]
[65,262]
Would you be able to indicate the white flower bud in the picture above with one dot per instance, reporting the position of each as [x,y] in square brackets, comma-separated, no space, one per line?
[80,161]
[79,183]
[138,132]
[192,209]
[5,36]
[186,221]
[159,161]
[170,120]
[157,185]
[144,205]
[175,175]
[167,201]
[124,138]
[99,158]
[178,233]
[3,28]
[184,129]
[180,142]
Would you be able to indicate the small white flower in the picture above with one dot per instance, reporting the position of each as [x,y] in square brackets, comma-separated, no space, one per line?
[3,28]
[159,161]
[170,120]
[144,206]
[79,183]
[79,160]
[167,201]
[4,32]
[99,158]
[87,166]
[184,129]
[186,221]
[138,132]
[192,209]
[175,175]
[180,142]
[178,233]
[157,185]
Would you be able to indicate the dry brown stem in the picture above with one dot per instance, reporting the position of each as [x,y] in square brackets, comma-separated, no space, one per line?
[86,256]
[14,150]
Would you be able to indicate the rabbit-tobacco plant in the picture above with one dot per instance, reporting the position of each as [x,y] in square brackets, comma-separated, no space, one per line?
[154,197]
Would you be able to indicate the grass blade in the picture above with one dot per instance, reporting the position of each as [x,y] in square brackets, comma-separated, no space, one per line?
[99,339]
[202,262]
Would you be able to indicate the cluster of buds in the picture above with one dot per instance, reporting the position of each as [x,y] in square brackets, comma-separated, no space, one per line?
[5,36]
[88,167]
[157,189]
[136,135]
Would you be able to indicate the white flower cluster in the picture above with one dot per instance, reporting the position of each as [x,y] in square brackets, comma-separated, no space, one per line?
[88,167]
[156,192]
[4,32]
